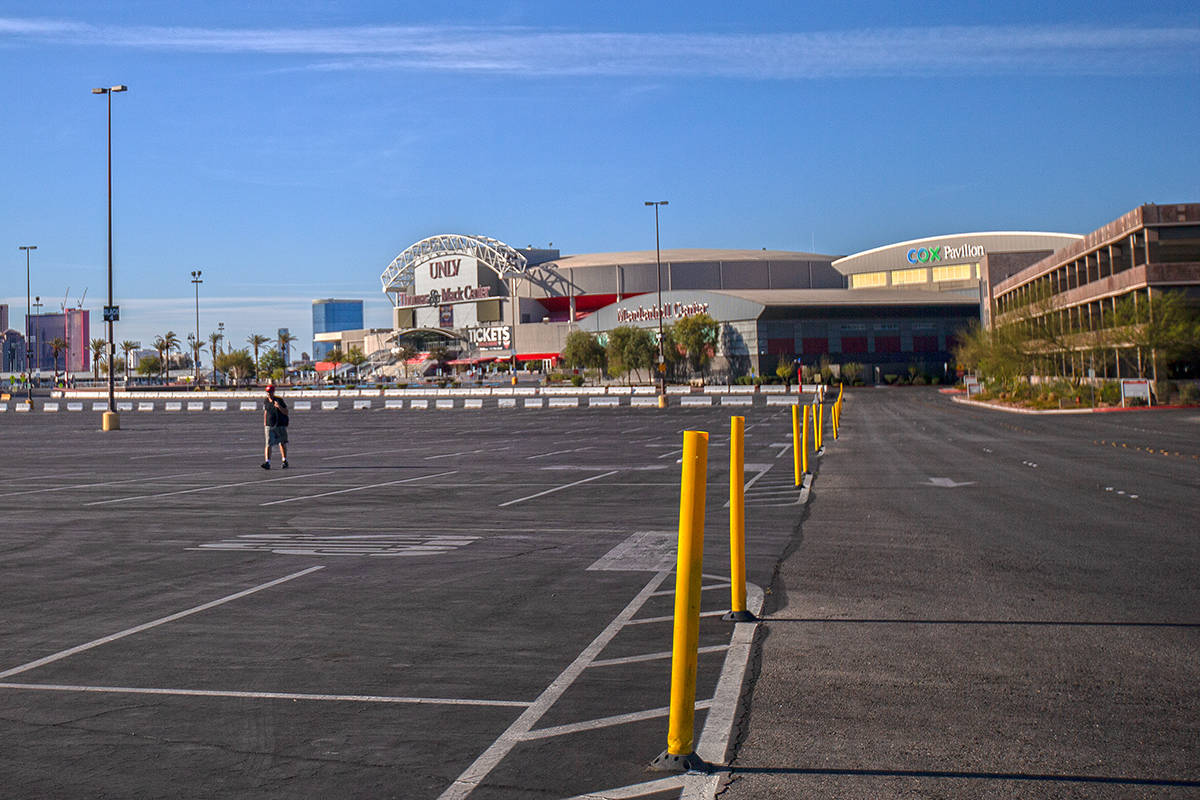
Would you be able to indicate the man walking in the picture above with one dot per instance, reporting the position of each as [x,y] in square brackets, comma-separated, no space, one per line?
[275,424]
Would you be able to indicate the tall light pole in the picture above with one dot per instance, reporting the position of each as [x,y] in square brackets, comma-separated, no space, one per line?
[111,421]
[196,281]
[662,359]
[28,382]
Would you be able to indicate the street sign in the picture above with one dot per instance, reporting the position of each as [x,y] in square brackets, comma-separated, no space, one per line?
[112,313]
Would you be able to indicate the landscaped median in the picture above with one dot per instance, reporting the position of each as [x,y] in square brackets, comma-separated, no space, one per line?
[1000,405]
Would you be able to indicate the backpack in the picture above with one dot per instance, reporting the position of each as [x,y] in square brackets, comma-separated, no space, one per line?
[281,416]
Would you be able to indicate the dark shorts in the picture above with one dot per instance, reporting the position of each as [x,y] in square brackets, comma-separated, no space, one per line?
[276,435]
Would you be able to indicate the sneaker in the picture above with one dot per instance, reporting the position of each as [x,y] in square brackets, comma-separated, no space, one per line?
[265,465]
[284,464]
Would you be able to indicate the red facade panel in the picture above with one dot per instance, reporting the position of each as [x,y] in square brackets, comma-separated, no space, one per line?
[854,344]
[887,344]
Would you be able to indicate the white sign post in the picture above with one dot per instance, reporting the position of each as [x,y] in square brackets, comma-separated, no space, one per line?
[1135,388]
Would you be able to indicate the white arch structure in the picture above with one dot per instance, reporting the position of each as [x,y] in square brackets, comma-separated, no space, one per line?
[502,259]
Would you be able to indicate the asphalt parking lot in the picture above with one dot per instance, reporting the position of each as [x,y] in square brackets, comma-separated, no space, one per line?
[426,604]
[476,602]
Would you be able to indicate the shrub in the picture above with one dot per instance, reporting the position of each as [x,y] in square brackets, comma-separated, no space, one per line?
[1110,392]
[1189,393]
[918,380]
[577,380]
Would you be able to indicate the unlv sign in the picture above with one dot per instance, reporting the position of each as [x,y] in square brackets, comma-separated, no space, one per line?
[444,269]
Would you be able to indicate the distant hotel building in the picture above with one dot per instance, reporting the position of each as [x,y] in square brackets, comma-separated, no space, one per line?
[330,316]
[72,327]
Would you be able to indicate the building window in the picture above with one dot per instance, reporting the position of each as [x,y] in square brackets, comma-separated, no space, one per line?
[904,276]
[865,280]
[957,272]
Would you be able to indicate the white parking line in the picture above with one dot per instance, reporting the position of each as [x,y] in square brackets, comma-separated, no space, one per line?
[605,722]
[205,488]
[452,455]
[635,790]
[50,659]
[105,483]
[612,662]
[557,489]
[355,455]
[344,698]
[465,783]
[358,488]
[649,620]
[557,452]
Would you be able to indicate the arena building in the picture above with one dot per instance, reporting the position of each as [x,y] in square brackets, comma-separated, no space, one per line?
[890,307]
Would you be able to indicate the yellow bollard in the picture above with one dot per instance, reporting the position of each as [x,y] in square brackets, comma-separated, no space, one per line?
[816,436]
[737,521]
[680,755]
[804,442]
[797,449]
[833,418]
[821,427]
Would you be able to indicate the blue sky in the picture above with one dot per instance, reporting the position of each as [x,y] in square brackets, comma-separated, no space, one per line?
[291,150]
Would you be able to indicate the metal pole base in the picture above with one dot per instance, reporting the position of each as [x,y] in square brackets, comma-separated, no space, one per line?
[662,401]
[669,762]
[111,421]
[740,616]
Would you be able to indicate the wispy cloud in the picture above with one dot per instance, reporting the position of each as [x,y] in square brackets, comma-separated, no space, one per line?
[880,52]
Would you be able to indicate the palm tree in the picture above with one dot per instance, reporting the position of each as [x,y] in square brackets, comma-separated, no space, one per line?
[98,346]
[160,344]
[405,352]
[256,340]
[197,347]
[214,342]
[57,346]
[172,341]
[336,356]
[283,341]
[128,347]
[355,358]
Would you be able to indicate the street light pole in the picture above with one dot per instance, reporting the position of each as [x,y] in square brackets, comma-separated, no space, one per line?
[662,360]
[28,382]
[196,352]
[111,420]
